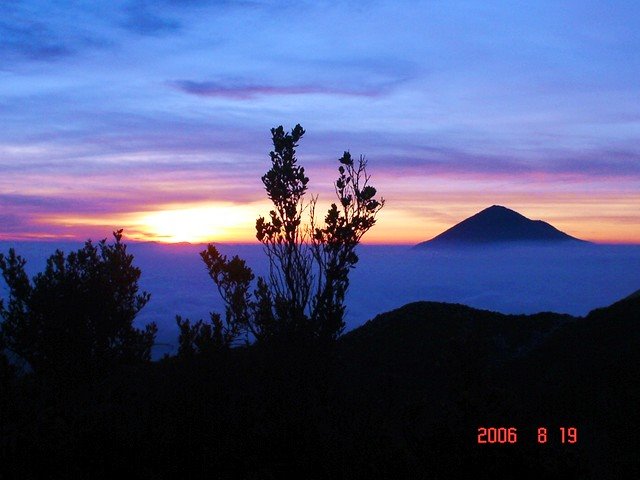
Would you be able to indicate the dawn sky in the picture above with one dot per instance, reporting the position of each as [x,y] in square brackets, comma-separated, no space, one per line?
[154,116]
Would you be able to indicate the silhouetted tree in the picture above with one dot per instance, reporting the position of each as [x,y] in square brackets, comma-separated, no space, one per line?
[201,337]
[7,370]
[303,295]
[75,319]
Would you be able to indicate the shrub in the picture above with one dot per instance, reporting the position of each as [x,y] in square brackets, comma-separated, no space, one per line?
[75,319]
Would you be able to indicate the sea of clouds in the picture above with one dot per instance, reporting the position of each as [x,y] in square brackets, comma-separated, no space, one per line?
[570,279]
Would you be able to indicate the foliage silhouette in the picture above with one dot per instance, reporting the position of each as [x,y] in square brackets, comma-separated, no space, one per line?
[201,338]
[404,400]
[303,295]
[74,321]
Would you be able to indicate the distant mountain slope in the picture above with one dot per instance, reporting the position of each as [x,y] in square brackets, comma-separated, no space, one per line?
[635,294]
[499,224]
[440,335]
[528,371]
[429,346]
[437,335]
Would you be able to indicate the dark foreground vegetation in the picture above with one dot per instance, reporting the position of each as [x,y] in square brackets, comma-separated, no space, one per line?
[401,397]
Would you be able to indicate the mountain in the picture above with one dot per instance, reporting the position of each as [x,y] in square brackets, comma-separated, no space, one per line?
[498,224]
[633,295]
[448,369]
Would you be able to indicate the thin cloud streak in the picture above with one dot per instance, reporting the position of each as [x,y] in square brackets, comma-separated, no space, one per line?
[251,91]
[141,20]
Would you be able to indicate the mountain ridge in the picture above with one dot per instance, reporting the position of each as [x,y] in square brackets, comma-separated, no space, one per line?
[499,224]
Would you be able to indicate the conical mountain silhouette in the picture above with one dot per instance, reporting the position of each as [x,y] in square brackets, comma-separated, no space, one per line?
[499,224]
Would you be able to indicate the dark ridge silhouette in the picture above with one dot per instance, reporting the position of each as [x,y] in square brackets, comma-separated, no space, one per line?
[401,397]
[498,224]
[635,294]
[533,370]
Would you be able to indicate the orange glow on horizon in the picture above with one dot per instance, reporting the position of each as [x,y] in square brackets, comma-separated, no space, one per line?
[398,223]
[199,224]
[202,223]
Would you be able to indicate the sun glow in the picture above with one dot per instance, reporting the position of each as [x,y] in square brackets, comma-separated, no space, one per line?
[202,223]
[198,224]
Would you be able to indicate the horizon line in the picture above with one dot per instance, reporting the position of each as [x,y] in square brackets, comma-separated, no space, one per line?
[67,239]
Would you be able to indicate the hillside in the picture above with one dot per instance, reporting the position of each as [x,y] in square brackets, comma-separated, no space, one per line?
[401,397]
[527,371]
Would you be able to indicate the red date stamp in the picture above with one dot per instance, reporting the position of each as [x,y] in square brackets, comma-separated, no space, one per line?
[509,435]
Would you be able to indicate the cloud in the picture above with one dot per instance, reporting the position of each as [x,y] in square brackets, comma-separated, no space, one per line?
[32,201]
[247,91]
[161,17]
[32,40]
[218,3]
[10,222]
[598,163]
[141,20]
[46,32]
[397,156]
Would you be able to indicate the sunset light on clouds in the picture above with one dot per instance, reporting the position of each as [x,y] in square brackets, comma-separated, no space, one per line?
[154,116]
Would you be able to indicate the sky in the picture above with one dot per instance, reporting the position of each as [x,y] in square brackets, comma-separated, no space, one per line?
[155,116]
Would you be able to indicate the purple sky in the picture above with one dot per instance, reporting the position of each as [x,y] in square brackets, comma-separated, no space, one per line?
[113,112]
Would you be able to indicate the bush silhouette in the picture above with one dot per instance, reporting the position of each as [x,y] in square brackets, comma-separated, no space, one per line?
[303,295]
[74,321]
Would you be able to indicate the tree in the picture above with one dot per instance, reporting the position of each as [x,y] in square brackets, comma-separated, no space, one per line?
[309,264]
[201,337]
[75,319]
